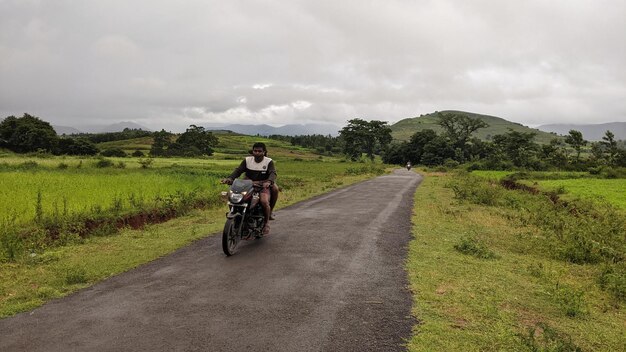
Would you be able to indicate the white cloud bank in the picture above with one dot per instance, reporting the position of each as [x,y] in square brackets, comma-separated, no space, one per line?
[168,64]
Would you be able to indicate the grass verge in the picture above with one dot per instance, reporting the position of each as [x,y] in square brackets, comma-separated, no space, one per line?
[481,283]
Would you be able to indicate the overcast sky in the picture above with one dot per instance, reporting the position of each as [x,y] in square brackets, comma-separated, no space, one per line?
[169,64]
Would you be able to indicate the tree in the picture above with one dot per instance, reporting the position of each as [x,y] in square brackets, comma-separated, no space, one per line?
[554,153]
[417,144]
[395,153]
[436,151]
[518,147]
[195,141]
[362,136]
[160,144]
[27,134]
[458,128]
[576,141]
[609,144]
[76,146]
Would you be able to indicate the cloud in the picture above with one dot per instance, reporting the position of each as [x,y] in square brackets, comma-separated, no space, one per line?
[299,61]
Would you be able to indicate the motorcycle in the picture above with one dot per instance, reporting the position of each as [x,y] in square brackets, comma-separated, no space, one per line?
[408,166]
[245,219]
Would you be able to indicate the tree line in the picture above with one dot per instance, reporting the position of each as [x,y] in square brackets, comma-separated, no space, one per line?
[29,134]
[513,149]
[322,144]
[126,133]
[359,138]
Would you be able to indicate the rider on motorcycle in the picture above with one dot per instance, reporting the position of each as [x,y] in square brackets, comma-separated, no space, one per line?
[259,167]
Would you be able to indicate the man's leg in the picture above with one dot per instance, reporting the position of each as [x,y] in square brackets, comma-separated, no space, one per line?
[265,202]
[273,199]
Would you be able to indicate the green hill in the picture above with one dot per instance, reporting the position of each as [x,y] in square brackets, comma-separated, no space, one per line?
[404,129]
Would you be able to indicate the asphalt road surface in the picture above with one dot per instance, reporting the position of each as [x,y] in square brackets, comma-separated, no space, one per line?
[330,277]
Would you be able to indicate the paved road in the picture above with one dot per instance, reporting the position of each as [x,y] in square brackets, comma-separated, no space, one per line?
[330,278]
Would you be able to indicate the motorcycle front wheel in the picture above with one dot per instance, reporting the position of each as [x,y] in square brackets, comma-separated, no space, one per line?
[230,238]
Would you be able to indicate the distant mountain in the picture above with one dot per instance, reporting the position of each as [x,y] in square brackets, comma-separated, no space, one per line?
[286,130]
[115,127]
[590,132]
[120,126]
[65,130]
[404,129]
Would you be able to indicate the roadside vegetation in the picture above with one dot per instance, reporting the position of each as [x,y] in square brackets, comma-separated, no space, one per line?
[500,268]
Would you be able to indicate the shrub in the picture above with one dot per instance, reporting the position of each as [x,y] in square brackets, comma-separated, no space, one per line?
[474,247]
[138,153]
[75,275]
[28,165]
[114,152]
[451,163]
[476,190]
[145,162]
[549,339]
[102,163]
[63,166]
[613,279]
[11,245]
[571,301]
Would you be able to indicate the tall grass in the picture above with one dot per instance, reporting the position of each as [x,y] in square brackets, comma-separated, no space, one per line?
[580,232]
[529,297]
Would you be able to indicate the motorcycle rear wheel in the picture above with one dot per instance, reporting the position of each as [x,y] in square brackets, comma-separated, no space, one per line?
[230,238]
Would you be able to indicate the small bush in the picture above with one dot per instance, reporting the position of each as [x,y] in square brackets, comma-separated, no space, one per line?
[571,301]
[63,166]
[28,165]
[477,191]
[120,165]
[145,163]
[76,275]
[114,152]
[544,338]
[474,247]
[102,163]
[138,153]
[613,279]
[47,292]
[536,270]
[11,245]
[451,164]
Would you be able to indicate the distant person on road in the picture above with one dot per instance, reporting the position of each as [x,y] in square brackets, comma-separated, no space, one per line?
[259,167]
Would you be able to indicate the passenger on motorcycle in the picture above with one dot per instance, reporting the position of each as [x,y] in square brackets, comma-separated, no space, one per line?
[259,167]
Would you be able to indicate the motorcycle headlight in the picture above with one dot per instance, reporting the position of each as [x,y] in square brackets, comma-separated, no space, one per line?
[235,197]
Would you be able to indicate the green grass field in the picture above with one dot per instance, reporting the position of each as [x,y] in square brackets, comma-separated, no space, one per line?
[609,190]
[570,185]
[484,280]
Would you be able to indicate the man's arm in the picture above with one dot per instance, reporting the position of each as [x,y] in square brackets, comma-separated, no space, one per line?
[271,171]
[239,170]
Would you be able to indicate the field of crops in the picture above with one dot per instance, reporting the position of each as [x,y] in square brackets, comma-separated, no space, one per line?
[57,192]
[570,185]
[610,190]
